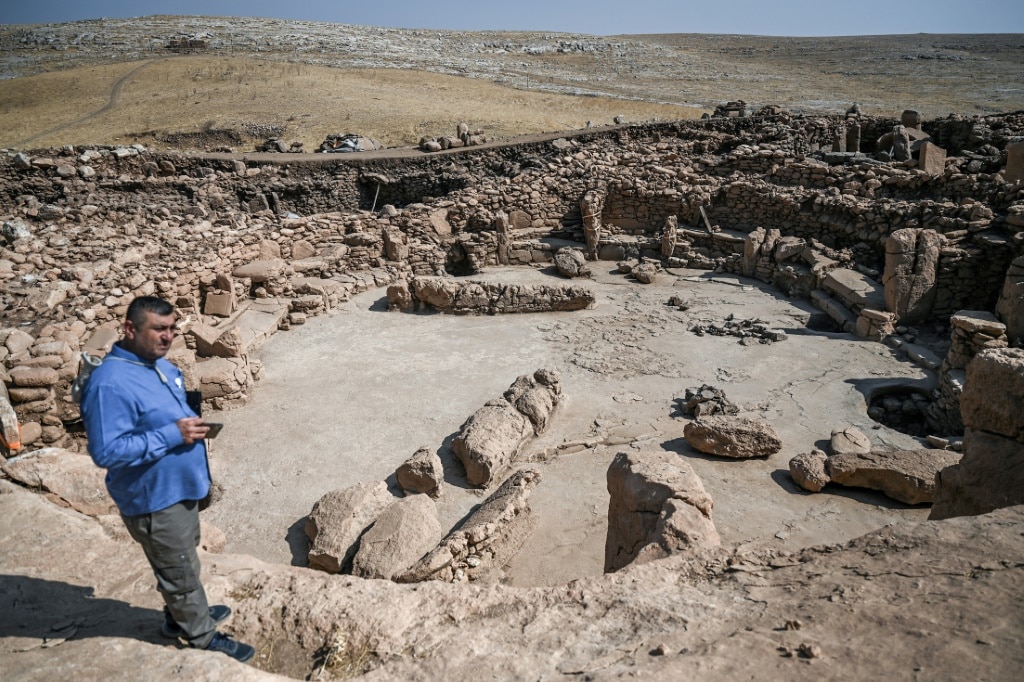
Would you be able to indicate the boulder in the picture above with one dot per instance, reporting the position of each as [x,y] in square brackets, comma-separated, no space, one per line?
[399,296]
[989,476]
[337,521]
[421,473]
[68,478]
[808,470]
[657,507]
[645,273]
[571,263]
[406,530]
[849,441]
[730,436]
[907,476]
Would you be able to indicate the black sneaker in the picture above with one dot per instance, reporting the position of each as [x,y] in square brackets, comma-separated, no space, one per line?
[236,650]
[170,629]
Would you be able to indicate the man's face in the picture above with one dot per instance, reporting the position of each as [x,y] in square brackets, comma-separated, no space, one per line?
[151,339]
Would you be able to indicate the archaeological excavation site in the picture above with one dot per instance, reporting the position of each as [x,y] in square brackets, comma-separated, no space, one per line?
[737,397]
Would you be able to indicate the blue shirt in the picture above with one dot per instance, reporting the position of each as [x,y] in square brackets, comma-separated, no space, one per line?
[130,414]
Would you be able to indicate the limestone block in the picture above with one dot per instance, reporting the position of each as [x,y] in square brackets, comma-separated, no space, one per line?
[732,436]
[849,441]
[904,475]
[994,393]
[261,271]
[645,273]
[269,250]
[399,296]
[301,248]
[854,288]
[406,530]
[808,470]
[421,473]
[217,341]
[989,476]
[1014,162]
[222,377]
[657,506]
[219,303]
[68,478]
[932,158]
[18,341]
[34,376]
[338,519]
[1010,306]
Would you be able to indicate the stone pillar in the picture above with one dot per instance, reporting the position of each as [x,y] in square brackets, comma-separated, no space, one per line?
[1010,307]
[911,119]
[591,207]
[900,144]
[669,236]
[853,138]
[1014,162]
[839,140]
[932,158]
[911,264]
[503,233]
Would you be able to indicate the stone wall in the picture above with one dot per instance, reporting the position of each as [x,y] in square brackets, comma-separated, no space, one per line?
[87,229]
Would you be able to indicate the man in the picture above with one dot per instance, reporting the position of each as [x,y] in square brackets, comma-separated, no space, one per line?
[142,431]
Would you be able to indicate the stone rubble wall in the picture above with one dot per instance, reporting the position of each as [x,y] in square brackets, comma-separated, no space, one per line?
[87,229]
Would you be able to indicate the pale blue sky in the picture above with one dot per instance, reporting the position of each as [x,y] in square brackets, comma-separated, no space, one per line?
[599,17]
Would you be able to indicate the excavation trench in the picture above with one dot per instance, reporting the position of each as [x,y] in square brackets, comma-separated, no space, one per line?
[349,396]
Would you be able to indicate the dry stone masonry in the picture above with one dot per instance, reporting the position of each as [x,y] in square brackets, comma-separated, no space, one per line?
[887,250]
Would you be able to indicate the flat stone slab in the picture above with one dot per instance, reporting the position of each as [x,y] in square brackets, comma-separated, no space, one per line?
[857,290]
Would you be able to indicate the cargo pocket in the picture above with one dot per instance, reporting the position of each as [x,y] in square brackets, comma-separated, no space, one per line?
[178,577]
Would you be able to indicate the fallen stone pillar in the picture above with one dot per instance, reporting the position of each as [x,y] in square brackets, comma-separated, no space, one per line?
[488,539]
[490,439]
[461,297]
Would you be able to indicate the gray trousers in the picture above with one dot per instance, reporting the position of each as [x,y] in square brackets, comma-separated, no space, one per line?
[169,538]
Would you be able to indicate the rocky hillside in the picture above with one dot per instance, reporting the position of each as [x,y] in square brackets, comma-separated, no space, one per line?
[935,74]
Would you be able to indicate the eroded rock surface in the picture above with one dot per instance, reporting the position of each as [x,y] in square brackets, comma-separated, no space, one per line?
[657,507]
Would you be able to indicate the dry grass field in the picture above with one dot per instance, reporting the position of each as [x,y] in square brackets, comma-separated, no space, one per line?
[117,81]
[192,94]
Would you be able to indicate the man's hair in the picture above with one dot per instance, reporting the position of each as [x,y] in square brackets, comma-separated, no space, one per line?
[138,308]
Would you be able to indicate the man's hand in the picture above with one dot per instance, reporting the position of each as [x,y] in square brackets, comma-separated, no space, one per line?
[192,429]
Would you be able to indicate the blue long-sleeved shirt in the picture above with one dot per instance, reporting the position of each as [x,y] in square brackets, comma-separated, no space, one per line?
[130,416]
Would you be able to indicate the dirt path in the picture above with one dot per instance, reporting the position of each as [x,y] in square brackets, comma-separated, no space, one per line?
[349,396]
[113,99]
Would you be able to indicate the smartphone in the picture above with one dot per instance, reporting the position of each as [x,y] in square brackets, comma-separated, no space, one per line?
[215,428]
